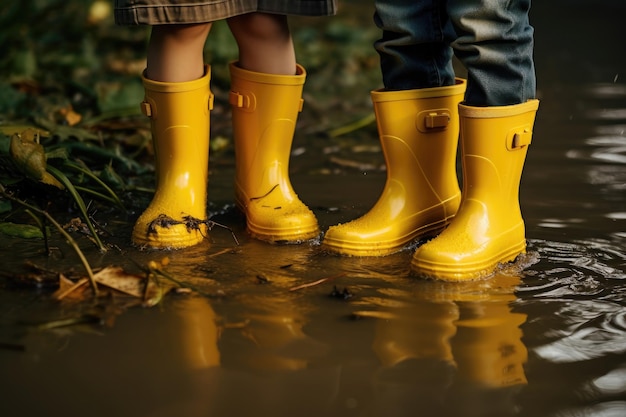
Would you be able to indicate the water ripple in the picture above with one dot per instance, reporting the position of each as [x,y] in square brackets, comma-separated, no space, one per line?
[605,90]
[611,149]
[606,409]
[582,284]
[589,259]
[612,383]
[593,329]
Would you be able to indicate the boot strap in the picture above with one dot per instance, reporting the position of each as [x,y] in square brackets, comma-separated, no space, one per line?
[519,138]
[248,101]
[434,119]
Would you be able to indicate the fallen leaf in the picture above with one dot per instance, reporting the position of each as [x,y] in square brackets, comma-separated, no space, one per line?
[70,116]
[30,158]
[116,278]
[69,289]
[25,231]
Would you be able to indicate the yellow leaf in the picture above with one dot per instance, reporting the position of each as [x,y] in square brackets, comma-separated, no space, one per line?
[30,158]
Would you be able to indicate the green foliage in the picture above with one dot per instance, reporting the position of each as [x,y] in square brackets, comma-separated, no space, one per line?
[62,79]
[119,95]
[24,231]
[32,29]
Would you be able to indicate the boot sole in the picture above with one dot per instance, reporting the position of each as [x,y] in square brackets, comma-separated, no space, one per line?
[467,272]
[376,249]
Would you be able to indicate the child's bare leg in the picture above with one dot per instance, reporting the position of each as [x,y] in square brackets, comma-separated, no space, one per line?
[175,52]
[265,43]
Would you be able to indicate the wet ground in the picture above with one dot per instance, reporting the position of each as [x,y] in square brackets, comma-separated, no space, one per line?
[545,337]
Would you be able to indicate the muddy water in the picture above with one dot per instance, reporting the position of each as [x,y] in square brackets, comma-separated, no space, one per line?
[544,337]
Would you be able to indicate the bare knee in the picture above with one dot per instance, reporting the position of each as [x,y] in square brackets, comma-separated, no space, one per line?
[192,33]
[256,28]
[175,52]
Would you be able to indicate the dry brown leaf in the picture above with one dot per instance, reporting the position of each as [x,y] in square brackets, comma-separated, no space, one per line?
[111,281]
[116,278]
[71,290]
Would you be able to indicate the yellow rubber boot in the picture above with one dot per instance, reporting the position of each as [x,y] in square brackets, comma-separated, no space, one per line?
[179,114]
[488,229]
[265,108]
[419,132]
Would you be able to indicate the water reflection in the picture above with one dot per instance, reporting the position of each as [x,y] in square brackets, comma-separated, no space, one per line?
[443,343]
[606,409]
[608,141]
[612,383]
[609,149]
[198,333]
[256,366]
[596,329]
[604,91]
[439,347]
[578,334]
[265,331]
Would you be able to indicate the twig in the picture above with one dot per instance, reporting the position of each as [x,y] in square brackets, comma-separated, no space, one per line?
[211,223]
[68,238]
[223,251]
[319,281]
[76,286]
[72,321]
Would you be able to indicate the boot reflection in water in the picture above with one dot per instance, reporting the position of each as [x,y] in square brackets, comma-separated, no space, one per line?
[495,117]
[199,333]
[270,318]
[453,340]
[274,335]
[266,98]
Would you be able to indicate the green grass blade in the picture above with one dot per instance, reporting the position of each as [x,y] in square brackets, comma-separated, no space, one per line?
[79,201]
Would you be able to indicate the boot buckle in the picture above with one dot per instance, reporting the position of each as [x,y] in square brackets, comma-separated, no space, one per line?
[437,120]
[244,100]
[430,120]
[235,99]
[146,108]
[519,138]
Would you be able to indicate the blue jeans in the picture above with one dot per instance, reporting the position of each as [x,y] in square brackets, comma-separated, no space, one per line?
[493,39]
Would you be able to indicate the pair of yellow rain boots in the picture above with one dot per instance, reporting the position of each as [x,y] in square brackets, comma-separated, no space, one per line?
[419,131]
[265,109]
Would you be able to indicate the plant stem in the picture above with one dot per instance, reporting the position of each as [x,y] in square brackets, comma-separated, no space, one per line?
[79,201]
[68,238]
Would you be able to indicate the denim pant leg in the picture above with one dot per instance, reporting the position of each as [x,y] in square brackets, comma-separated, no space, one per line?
[495,44]
[415,47]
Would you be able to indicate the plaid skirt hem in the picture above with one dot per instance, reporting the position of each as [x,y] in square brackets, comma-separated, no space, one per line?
[153,12]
